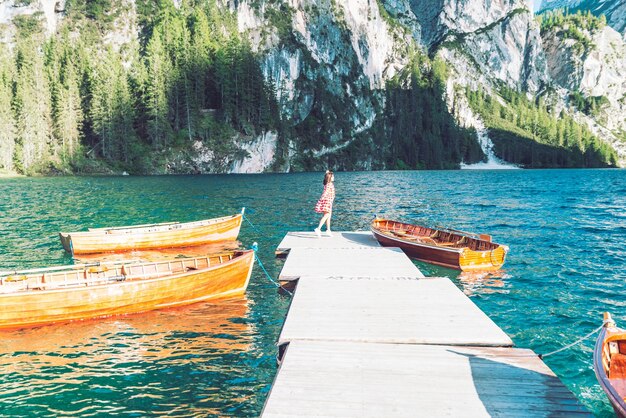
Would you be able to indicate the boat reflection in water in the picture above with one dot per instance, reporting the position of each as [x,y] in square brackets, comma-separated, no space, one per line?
[482,282]
[120,357]
[150,336]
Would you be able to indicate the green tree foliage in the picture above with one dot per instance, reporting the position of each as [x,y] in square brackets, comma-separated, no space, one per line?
[527,133]
[591,105]
[75,99]
[111,110]
[70,99]
[421,132]
[103,12]
[67,113]
[32,108]
[576,26]
[156,92]
[8,131]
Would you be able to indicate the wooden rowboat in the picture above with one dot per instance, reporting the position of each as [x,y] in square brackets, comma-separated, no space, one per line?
[163,235]
[609,363]
[444,247]
[65,293]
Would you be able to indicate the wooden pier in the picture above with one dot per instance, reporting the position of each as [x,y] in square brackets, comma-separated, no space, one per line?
[367,335]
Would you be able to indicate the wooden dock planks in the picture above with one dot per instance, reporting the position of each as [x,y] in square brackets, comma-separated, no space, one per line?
[367,336]
[348,379]
[343,239]
[392,310]
[367,262]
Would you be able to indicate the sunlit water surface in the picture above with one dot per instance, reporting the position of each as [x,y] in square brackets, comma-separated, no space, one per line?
[566,230]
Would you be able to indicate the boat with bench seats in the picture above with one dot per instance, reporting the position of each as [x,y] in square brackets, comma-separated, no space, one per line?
[150,236]
[446,247]
[609,363]
[64,293]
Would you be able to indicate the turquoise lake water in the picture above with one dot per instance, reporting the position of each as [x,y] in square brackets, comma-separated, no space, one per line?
[566,230]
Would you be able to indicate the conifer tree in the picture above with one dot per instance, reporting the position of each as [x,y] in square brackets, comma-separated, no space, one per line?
[112,112]
[67,112]
[158,69]
[32,106]
[8,131]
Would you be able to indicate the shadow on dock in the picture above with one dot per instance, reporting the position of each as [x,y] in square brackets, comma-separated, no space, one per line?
[520,385]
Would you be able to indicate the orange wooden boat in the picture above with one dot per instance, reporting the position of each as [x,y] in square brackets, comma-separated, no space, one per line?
[609,363]
[58,294]
[446,247]
[163,235]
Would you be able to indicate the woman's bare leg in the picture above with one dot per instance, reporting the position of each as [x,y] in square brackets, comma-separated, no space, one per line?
[324,218]
[330,214]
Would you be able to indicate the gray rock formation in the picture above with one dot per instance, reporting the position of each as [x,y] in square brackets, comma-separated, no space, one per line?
[598,71]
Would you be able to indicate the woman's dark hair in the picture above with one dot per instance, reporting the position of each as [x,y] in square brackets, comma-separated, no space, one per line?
[327,177]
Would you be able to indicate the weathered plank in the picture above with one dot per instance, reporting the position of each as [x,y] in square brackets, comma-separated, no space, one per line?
[346,239]
[368,262]
[348,379]
[390,310]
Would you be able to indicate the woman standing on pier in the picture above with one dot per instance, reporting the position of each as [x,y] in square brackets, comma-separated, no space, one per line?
[325,203]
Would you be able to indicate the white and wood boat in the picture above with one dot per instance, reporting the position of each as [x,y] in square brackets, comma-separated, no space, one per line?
[58,294]
[445,247]
[609,363]
[150,236]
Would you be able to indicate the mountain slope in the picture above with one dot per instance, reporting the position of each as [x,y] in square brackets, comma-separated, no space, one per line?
[614,10]
[248,86]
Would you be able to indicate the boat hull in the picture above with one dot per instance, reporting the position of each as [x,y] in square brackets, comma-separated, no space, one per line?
[39,307]
[600,366]
[442,257]
[416,242]
[165,236]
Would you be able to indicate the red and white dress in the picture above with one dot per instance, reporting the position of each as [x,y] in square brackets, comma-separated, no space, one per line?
[325,204]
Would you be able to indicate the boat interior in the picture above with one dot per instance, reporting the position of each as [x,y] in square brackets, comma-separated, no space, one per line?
[165,226]
[438,237]
[65,277]
[614,362]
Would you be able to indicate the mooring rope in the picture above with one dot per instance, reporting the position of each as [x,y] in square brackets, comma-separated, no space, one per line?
[251,224]
[580,340]
[255,247]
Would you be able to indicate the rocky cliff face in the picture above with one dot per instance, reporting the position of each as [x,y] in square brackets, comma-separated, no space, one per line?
[331,58]
[598,72]
[51,10]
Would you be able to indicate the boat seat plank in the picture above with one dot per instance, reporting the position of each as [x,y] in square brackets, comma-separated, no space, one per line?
[617,369]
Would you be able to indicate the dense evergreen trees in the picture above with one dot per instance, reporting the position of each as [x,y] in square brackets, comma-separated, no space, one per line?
[528,133]
[421,131]
[69,101]
[7,120]
[574,26]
